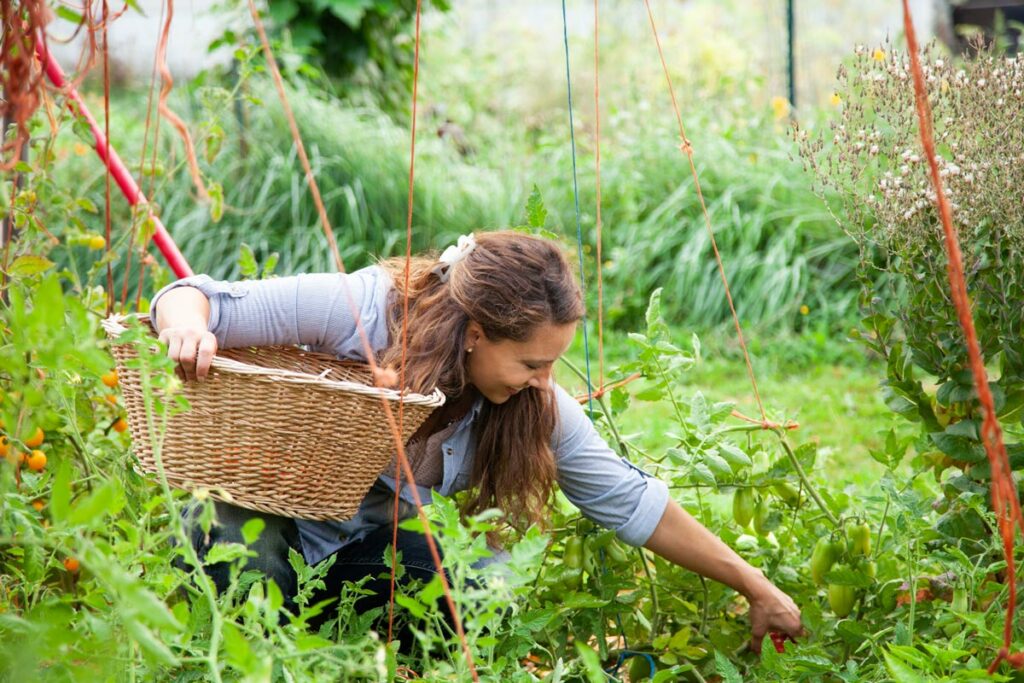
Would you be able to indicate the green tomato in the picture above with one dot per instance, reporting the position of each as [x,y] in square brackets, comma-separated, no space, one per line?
[640,668]
[789,495]
[616,553]
[960,603]
[841,599]
[761,512]
[824,555]
[573,556]
[859,540]
[743,506]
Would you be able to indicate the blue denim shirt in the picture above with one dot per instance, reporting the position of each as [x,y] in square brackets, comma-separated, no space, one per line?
[316,310]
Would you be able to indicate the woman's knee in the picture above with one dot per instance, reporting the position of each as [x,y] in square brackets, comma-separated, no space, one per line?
[271,547]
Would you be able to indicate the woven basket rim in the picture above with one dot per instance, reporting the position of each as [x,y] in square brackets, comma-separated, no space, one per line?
[114,327]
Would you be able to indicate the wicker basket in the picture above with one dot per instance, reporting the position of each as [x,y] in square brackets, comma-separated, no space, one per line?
[275,429]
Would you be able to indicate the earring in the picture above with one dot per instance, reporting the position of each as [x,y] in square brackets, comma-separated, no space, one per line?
[469,350]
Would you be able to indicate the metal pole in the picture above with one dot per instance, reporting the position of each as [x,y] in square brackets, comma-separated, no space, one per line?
[790,61]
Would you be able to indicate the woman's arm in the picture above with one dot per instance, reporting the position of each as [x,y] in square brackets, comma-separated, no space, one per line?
[198,315]
[684,541]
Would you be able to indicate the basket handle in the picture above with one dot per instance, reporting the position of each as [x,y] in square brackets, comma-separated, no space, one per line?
[114,326]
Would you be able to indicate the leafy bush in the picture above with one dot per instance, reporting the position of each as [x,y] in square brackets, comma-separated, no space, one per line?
[887,204]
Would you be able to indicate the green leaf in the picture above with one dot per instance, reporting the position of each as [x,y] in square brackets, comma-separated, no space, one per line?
[29,264]
[726,669]
[247,261]
[216,193]
[848,576]
[958,447]
[150,643]
[417,608]
[108,499]
[595,674]
[717,464]
[269,265]
[350,12]
[252,529]
[901,671]
[702,475]
[432,591]
[226,552]
[68,14]
[653,314]
[807,454]
[536,212]
[239,654]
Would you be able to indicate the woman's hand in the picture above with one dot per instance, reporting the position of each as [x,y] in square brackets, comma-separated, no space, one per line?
[771,610]
[681,539]
[192,347]
[182,319]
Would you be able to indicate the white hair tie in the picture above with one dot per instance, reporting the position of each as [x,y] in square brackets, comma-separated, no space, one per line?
[453,254]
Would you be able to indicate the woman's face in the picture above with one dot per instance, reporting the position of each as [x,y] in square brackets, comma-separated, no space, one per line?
[499,369]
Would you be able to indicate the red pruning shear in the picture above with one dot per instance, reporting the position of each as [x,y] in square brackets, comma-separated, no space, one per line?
[779,640]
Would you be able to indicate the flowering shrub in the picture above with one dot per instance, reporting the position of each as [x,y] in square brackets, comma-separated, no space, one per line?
[870,167]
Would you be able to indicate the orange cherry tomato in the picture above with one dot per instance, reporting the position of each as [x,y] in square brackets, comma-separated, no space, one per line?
[37,461]
[36,440]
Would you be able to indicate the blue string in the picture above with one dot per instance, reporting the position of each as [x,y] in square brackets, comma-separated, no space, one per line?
[576,198]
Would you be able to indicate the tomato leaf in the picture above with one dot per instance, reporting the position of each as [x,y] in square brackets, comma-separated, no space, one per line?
[252,529]
[27,265]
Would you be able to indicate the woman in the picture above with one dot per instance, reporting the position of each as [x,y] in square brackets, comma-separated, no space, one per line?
[486,323]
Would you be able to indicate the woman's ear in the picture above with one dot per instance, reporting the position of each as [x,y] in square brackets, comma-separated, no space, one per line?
[474,333]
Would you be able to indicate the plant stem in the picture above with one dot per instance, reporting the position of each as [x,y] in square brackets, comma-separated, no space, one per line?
[623,450]
[216,619]
[881,527]
[806,482]
[654,593]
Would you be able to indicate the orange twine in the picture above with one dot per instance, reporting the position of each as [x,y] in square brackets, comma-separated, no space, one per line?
[367,349]
[1004,494]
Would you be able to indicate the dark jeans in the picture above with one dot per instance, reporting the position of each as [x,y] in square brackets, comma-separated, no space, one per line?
[352,563]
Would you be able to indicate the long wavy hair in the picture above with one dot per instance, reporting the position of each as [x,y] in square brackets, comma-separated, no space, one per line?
[510,284]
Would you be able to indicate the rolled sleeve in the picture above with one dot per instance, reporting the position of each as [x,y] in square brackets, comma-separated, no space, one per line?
[605,487]
[321,310]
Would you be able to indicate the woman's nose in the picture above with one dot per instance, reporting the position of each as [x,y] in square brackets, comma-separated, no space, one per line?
[540,379]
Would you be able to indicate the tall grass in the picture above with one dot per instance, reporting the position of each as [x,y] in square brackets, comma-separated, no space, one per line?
[780,248]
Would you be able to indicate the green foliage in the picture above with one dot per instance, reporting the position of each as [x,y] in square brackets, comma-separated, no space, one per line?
[365,47]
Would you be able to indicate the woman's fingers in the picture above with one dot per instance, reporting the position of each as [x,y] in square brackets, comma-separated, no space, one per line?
[776,615]
[192,349]
[204,356]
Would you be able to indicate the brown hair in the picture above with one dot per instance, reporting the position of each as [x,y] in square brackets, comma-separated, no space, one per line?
[510,284]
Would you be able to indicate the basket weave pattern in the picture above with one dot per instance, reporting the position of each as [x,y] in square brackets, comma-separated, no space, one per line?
[275,429]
